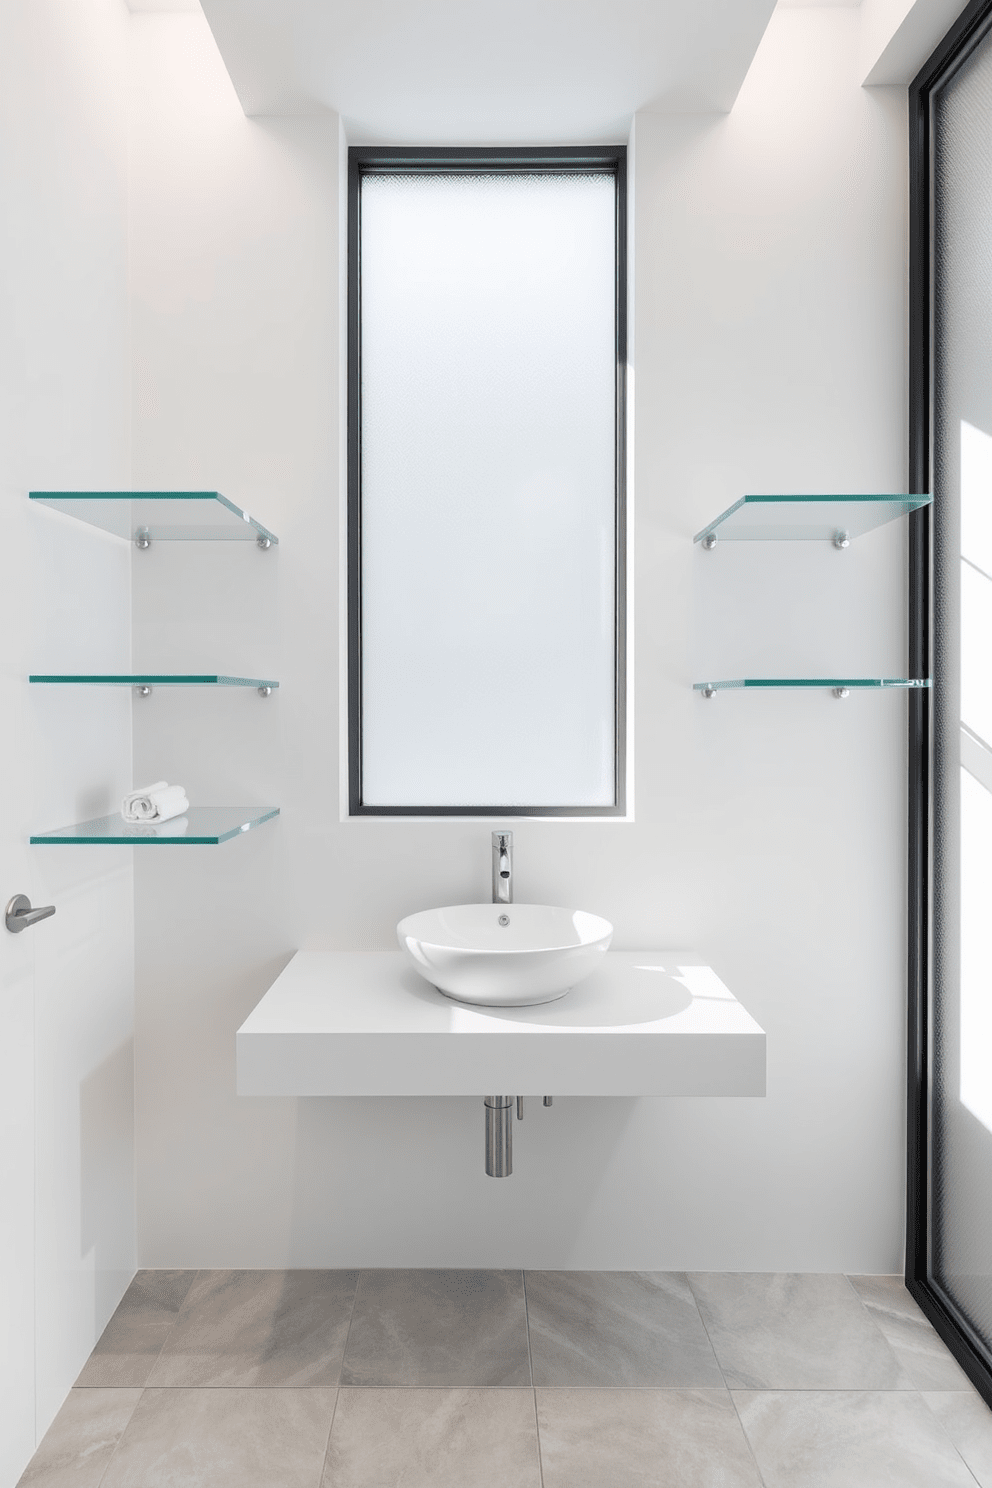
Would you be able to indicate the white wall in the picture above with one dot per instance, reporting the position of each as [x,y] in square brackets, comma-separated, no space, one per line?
[66,1101]
[769,335]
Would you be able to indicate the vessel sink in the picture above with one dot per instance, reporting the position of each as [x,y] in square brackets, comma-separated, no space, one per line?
[504,955]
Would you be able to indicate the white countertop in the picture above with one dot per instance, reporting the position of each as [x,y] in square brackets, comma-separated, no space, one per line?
[365,1023]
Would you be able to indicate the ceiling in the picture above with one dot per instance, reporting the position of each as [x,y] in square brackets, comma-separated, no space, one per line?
[471,72]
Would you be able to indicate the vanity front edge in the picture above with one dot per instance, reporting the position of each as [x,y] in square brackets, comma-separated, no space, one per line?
[364,1023]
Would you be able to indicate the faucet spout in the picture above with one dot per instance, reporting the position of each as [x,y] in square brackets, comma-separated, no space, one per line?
[502,867]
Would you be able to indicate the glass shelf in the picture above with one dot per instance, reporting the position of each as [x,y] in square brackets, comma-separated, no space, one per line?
[199,825]
[151,679]
[834,519]
[832,682]
[160,516]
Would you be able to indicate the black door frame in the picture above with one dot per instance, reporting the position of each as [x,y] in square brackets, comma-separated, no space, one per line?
[954,1328]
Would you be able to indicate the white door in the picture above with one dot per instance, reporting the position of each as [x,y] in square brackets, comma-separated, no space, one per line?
[17,1421]
[66,1201]
[66,983]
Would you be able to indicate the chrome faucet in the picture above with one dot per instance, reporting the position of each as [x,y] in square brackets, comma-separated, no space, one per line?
[502,867]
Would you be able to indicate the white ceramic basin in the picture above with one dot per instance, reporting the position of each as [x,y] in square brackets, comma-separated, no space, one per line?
[504,955]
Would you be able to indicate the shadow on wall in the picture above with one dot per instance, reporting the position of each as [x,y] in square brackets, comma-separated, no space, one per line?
[426,1200]
[106,1176]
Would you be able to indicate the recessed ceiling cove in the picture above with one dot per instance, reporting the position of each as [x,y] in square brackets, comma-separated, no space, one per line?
[468,72]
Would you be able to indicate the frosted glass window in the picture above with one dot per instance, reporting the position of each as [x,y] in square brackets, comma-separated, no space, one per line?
[486,509]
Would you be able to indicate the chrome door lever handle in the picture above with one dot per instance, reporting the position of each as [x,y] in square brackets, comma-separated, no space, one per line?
[19,914]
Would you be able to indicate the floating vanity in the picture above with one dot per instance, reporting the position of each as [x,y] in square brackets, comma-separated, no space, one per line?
[364,1023]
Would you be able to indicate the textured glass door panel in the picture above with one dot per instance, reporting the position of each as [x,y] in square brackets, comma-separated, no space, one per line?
[488,469]
[976,497]
[961,1156]
[976,949]
[976,652]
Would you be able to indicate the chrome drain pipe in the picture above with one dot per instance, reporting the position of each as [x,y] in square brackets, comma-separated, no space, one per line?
[499,1135]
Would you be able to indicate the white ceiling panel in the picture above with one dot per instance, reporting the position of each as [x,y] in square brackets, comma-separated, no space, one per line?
[463,71]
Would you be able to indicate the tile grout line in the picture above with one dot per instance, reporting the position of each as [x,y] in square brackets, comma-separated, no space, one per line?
[322,1474]
[351,1319]
[747,1439]
[533,1388]
[337,1392]
[278,1389]
[530,1356]
[656,1389]
[723,1376]
[127,1423]
[709,1340]
[537,1434]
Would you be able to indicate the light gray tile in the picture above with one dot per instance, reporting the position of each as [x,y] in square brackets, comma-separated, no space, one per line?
[642,1439]
[617,1328]
[224,1439]
[968,1422]
[76,1448]
[433,1439]
[848,1439]
[924,1356]
[131,1342]
[161,1291]
[793,1332]
[438,1328]
[274,1328]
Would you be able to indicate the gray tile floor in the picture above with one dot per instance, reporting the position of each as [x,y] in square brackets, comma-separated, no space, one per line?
[509,1379]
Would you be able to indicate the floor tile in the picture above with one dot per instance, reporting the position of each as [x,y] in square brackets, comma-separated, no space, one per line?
[617,1328]
[848,1439]
[165,1291]
[924,1356]
[433,1439]
[968,1422]
[76,1448]
[642,1439]
[132,1340]
[793,1332]
[274,1328]
[438,1328]
[224,1439]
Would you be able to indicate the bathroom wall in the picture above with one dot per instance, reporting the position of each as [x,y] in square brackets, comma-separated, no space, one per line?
[66,986]
[767,829]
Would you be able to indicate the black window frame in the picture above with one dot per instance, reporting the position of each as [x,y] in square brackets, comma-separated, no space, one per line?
[970,1350]
[364,160]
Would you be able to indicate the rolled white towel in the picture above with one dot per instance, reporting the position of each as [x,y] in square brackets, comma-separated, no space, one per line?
[171,803]
[139,806]
[154,803]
